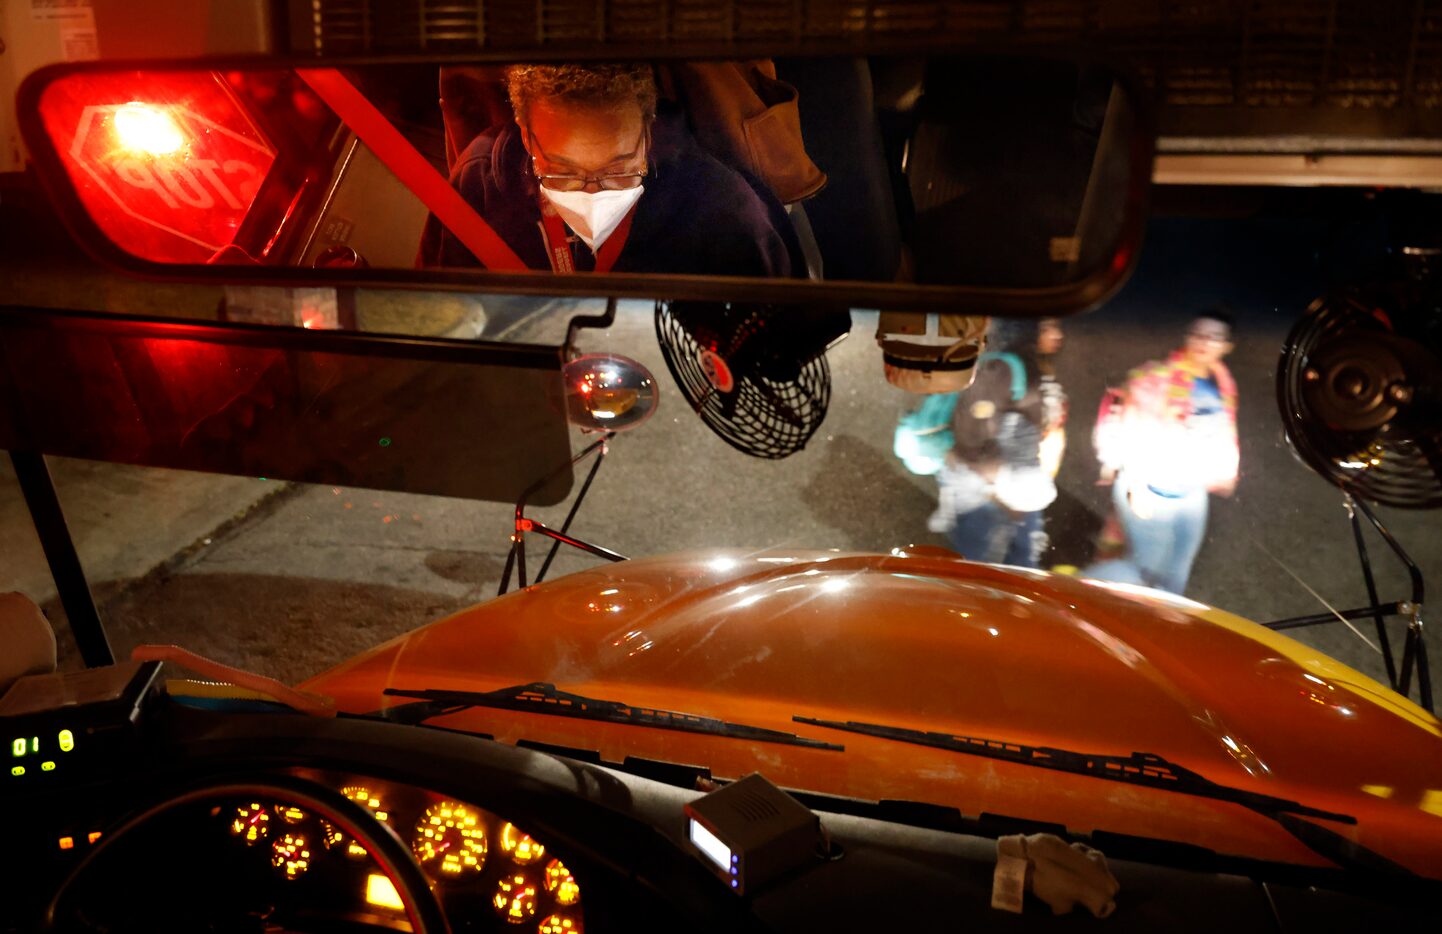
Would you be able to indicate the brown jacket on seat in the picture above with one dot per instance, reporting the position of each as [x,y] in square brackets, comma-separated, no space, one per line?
[747,119]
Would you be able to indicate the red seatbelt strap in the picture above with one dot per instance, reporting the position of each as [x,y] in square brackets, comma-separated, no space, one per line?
[558,245]
[417,174]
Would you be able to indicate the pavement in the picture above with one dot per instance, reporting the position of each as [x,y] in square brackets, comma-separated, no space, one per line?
[290,579]
[126,520]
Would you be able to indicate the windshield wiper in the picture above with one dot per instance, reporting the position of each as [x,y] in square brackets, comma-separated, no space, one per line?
[1140,768]
[540,697]
[1153,771]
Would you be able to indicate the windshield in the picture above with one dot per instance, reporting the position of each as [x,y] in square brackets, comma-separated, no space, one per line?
[786,605]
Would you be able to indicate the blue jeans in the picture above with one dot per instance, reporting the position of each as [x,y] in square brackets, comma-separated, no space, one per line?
[1161,547]
[989,534]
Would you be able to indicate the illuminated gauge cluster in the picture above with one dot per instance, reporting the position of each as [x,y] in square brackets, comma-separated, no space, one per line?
[450,841]
[475,860]
[286,832]
[463,848]
[293,838]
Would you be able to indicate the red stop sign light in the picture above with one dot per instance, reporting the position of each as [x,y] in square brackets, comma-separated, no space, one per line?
[166,163]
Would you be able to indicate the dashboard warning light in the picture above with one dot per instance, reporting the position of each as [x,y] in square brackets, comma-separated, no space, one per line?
[67,843]
[380,890]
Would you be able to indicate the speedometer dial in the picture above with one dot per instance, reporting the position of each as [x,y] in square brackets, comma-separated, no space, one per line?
[251,822]
[450,841]
[291,855]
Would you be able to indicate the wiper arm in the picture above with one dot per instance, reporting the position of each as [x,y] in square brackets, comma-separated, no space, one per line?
[1140,768]
[1153,771]
[543,698]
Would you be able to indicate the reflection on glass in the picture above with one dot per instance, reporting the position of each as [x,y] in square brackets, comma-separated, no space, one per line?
[979,171]
[473,427]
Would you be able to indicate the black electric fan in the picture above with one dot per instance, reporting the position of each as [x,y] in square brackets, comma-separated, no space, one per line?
[1359,385]
[1359,388]
[756,375]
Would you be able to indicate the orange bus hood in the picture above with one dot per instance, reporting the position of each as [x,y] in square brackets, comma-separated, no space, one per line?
[938,644]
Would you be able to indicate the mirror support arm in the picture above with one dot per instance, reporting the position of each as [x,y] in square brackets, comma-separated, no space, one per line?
[1414,649]
[604,320]
[516,558]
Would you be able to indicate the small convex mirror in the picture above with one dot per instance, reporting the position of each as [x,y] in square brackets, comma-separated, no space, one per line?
[608,392]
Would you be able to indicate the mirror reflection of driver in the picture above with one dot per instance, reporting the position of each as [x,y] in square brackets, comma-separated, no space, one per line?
[590,178]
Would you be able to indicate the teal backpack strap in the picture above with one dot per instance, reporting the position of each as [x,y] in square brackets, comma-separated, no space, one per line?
[924,436]
[1018,371]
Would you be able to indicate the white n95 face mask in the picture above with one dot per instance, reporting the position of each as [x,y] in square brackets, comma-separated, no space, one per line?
[593,215]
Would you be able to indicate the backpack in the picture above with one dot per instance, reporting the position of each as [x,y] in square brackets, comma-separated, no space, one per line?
[923,436]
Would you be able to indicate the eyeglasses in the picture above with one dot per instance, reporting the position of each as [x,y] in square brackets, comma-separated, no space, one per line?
[579,182]
[623,181]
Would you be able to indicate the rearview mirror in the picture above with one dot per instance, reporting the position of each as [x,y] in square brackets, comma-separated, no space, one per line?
[963,184]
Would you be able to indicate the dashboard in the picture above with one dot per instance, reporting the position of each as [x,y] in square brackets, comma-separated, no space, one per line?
[175,818]
[269,863]
[130,810]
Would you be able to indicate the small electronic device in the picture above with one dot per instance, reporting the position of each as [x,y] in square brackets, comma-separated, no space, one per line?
[751,832]
[60,727]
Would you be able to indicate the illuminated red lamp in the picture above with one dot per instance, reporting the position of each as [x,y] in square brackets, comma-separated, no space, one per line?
[166,164]
[147,130]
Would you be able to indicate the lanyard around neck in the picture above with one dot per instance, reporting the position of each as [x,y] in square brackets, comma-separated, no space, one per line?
[558,245]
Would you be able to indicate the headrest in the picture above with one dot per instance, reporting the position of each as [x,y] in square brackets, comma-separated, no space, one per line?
[930,353]
[909,375]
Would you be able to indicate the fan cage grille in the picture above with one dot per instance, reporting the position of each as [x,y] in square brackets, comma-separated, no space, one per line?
[1401,475]
[762,417]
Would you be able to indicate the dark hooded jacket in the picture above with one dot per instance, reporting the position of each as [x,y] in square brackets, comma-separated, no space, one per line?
[696,216]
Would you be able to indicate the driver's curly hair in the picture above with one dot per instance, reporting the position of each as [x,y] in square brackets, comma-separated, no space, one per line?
[601,84]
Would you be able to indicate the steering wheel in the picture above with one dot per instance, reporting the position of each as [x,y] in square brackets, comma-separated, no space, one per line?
[379,840]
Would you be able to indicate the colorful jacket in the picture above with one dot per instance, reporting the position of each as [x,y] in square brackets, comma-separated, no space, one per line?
[1148,434]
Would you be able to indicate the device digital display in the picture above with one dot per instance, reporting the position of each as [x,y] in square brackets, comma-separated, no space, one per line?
[51,723]
[710,845]
[20,746]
